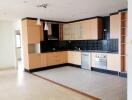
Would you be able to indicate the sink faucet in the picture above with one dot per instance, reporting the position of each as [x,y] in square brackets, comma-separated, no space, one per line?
[77,48]
[53,48]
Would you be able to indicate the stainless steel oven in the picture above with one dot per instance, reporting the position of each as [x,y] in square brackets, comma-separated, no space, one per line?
[101,60]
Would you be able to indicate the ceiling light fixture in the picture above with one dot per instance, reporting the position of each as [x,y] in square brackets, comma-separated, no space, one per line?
[46,26]
[43,5]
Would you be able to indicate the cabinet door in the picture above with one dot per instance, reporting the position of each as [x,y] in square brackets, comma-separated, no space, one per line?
[56,58]
[66,31]
[113,62]
[93,59]
[85,29]
[34,61]
[33,31]
[43,60]
[94,29]
[77,30]
[115,25]
[74,57]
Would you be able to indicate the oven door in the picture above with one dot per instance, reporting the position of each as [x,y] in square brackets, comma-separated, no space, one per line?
[101,63]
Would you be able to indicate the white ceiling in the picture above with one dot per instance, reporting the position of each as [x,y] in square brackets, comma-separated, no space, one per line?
[59,10]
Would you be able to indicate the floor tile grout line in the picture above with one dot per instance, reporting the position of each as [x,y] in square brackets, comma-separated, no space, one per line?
[67,87]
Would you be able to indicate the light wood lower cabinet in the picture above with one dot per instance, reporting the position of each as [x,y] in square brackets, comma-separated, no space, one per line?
[74,57]
[55,58]
[113,62]
[34,61]
[93,60]
[44,59]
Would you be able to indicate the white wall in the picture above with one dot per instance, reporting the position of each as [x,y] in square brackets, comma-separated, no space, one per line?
[7,44]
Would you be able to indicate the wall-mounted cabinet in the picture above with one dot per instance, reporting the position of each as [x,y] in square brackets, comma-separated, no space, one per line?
[32,31]
[115,24]
[83,30]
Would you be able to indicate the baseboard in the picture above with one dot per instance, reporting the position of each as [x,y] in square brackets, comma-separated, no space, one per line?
[105,71]
[121,74]
[45,68]
[73,65]
[6,68]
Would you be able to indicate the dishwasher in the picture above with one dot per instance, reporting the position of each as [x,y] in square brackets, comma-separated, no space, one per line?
[85,60]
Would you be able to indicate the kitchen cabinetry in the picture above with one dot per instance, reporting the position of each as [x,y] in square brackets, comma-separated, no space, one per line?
[72,31]
[83,30]
[56,58]
[34,61]
[115,24]
[122,40]
[31,37]
[91,29]
[43,59]
[33,31]
[118,30]
[113,62]
[74,57]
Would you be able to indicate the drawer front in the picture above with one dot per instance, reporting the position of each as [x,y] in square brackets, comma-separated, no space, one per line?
[56,58]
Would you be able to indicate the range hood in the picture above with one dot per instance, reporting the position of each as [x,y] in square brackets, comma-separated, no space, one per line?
[52,31]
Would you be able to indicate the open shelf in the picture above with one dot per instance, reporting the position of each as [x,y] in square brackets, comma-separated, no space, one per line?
[34,48]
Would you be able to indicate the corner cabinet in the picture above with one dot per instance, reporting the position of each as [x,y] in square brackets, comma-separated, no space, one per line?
[83,30]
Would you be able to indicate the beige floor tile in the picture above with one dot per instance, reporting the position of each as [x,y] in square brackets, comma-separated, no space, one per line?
[24,86]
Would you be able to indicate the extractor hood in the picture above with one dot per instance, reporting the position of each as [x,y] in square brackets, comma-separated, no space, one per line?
[52,31]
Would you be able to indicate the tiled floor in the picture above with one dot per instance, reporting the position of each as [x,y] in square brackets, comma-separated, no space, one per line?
[18,85]
[104,86]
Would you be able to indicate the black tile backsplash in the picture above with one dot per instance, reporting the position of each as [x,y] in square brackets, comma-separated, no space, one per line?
[104,45]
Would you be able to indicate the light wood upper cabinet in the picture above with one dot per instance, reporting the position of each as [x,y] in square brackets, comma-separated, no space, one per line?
[92,29]
[113,62]
[83,30]
[55,58]
[33,31]
[74,57]
[115,26]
